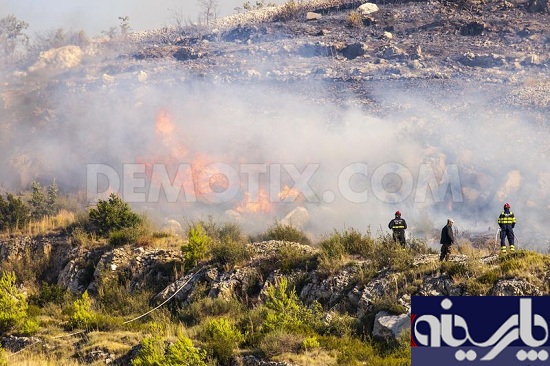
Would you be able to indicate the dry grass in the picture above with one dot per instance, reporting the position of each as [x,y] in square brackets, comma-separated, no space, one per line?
[318,357]
[46,225]
[355,19]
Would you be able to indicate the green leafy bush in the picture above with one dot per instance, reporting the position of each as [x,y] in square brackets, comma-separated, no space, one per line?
[151,352]
[13,304]
[183,353]
[285,311]
[82,314]
[113,215]
[282,232]
[48,294]
[125,236]
[229,252]
[14,214]
[198,246]
[310,343]
[222,339]
[3,358]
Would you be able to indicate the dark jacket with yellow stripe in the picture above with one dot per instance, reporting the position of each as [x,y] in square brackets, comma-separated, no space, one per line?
[398,224]
[506,220]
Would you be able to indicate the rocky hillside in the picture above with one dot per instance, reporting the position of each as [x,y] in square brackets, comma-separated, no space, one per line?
[420,84]
[366,294]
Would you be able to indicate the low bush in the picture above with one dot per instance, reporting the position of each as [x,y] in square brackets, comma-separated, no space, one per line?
[113,215]
[198,246]
[13,306]
[280,341]
[229,252]
[355,19]
[282,232]
[222,338]
[82,315]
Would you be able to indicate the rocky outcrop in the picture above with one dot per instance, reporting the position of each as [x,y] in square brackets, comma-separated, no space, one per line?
[388,327]
[514,287]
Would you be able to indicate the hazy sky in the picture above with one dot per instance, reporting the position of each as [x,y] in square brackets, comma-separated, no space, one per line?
[99,15]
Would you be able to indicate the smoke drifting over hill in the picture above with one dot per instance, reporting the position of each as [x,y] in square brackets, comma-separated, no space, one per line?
[257,151]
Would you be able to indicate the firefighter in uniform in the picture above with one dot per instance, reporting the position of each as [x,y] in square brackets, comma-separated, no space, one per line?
[447,240]
[398,226]
[507,222]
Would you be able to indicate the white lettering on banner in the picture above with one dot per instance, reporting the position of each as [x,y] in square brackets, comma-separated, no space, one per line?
[518,326]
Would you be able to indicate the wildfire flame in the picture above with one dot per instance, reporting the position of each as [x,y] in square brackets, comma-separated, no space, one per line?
[288,193]
[260,204]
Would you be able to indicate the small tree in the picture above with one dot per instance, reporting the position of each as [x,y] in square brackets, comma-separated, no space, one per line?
[14,213]
[112,215]
[183,353]
[13,304]
[83,315]
[222,339]
[151,352]
[38,201]
[52,196]
[197,248]
[210,10]
[125,25]
[44,204]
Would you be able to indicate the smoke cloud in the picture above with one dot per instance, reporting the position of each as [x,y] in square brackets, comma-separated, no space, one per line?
[431,150]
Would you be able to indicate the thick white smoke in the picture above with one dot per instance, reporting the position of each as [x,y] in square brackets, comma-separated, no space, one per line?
[430,149]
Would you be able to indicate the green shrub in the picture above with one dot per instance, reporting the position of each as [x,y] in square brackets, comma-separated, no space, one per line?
[285,311]
[125,236]
[222,338]
[183,353]
[291,258]
[48,294]
[151,352]
[310,343]
[282,232]
[389,254]
[229,252]
[44,204]
[14,214]
[341,325]
[198,246]
[112,215]
[28,327]
[13,304]
[230,231]
[3,358]
[82,314]
[202,308]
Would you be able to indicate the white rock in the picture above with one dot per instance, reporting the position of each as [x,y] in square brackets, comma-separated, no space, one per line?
[313,16]
[297,218]
[367,9]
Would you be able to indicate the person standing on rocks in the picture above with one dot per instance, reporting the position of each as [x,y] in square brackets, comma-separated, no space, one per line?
[507,222]
[398,226]
[447,240]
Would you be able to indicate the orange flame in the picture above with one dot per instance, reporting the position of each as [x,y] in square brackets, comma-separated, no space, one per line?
[261,204]
[289,193]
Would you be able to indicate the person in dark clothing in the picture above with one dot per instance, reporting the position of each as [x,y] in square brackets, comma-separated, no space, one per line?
[447,240]
[398,226]
[507,222]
